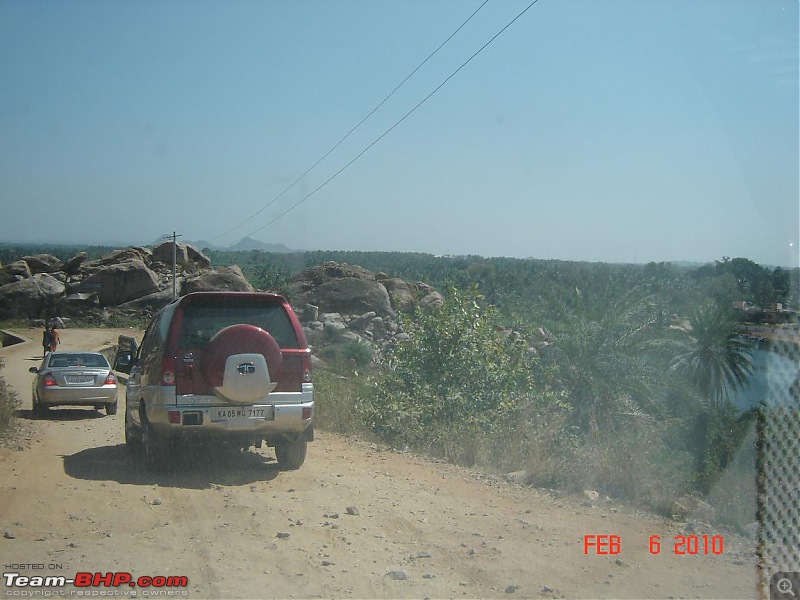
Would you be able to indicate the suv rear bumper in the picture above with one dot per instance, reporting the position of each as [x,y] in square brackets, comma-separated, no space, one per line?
[286,413]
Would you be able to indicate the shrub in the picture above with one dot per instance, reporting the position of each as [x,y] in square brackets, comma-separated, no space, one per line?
[453,383]
[9,402]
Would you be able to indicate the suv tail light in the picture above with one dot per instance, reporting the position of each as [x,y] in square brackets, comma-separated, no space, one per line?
[307,368]
[49,380]
[168,371]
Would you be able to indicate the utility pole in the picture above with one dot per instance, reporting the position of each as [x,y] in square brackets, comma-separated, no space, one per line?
[174,238]
[174,263]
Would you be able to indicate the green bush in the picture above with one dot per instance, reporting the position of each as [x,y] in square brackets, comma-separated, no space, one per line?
[455,380]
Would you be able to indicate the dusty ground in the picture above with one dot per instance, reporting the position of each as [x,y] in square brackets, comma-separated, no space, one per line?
[74,499]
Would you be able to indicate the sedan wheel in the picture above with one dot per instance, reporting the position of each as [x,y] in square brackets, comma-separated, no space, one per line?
[40,408]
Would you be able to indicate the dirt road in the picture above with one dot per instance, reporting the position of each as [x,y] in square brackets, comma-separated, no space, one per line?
[73,499]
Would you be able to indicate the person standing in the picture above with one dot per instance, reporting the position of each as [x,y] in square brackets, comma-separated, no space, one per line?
[47,339]
[55,339]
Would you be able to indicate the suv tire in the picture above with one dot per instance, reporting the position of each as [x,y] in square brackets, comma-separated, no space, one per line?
[291,453]
[154,448]
[133,437]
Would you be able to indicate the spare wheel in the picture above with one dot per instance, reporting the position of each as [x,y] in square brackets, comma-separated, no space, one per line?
[242,363]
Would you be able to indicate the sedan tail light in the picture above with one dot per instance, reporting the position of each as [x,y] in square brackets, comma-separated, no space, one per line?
[111,379]
[48,380]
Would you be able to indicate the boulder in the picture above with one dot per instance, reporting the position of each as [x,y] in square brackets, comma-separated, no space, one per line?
[432,300]
[151,302]
[228,278]
[189,258]
[311,278]
[362,322]
[34,294]
[402,294]
[43,263]
[74,263]
[163,253]
[19,269]
[119,283]
[351,296]
[197,258]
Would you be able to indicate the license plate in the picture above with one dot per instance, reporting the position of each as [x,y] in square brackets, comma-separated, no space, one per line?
[75,380]
[243,414]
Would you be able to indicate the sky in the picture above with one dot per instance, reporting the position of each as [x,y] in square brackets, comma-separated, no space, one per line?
[593,130]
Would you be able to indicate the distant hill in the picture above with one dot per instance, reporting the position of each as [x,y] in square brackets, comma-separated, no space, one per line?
[245,244]
[248,243]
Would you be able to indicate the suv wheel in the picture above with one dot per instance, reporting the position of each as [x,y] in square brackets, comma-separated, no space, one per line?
[154,447]
[291,453]
[133,437]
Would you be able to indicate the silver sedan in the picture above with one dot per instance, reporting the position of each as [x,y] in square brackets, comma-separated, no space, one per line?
[74,379]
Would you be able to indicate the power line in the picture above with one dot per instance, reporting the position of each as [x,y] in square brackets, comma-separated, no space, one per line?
[356,126]
[403,118]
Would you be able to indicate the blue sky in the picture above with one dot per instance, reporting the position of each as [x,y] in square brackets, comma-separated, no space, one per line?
[600,130]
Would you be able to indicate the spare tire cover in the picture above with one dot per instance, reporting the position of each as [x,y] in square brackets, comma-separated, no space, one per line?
[242,363]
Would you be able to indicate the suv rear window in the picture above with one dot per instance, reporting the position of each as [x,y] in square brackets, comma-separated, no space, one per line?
[204,318]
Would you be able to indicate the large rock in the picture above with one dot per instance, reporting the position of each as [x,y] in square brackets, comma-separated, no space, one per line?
[43,263]
[228,278]
[197,259]
[124,255]
[151,302]
[311,278]
[19,269]
[74,263]
[352,297]
[189,258]
[402,294]
[163,253]
[122,282]
[35,294]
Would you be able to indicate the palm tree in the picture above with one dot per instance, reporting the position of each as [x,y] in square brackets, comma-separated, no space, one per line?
[607,341]
[717,361]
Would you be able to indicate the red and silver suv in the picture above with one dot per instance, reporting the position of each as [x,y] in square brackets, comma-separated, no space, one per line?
[231,365]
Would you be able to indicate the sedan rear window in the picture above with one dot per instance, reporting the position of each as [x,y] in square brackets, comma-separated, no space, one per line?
[78,360]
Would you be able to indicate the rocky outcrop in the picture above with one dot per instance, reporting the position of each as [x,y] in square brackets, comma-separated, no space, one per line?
[340,303]
[133,277]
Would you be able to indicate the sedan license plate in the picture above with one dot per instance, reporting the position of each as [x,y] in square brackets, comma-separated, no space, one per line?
[241,414]
[79,380]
